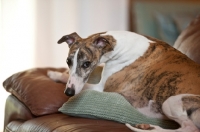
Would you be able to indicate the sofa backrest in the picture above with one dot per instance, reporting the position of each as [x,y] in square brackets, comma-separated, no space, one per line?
[188,41]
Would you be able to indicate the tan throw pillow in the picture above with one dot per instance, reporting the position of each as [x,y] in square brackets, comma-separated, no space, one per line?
[37,91]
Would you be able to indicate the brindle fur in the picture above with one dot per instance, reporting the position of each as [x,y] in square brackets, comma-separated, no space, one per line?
[191,104]
[160,73]
[89,52]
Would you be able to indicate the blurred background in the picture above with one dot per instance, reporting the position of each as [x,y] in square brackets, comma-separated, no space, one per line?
[29,29]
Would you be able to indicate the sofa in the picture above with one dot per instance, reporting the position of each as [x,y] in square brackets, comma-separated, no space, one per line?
[34,98]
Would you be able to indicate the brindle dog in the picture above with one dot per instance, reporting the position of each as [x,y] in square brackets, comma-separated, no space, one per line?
[158,80]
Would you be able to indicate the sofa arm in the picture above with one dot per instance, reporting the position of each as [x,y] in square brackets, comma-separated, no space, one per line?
[16,110]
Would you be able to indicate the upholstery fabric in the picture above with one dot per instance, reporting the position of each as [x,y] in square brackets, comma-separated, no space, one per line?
[37,91]
[188,41]
[64,123]
[15,109]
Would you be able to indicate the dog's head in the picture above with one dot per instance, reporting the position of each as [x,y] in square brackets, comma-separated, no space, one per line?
[84,55]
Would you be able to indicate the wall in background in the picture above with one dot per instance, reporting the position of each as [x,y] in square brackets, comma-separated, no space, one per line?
[29,30]
[58,18]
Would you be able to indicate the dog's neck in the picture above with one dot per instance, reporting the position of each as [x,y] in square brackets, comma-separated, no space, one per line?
[129,47]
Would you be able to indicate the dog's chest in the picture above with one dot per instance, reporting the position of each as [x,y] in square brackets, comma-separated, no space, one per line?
[155,76]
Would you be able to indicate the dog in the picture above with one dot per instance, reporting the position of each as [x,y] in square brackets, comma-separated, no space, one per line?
[158,80]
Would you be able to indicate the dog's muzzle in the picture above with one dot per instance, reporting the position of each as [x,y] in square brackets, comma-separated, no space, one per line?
[70,91]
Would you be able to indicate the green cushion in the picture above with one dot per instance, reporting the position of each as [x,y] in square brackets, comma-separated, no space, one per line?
[110,106]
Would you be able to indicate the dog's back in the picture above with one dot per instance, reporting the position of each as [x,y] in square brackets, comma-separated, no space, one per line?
[160,73]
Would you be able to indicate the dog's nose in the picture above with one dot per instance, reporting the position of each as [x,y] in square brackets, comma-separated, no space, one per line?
[70,91]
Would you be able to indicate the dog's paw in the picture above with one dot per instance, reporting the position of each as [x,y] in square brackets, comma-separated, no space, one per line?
[144,128]
[54,75]
[58,76]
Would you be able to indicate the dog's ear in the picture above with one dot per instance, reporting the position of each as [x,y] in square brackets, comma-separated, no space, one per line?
[105,43]
[69,39]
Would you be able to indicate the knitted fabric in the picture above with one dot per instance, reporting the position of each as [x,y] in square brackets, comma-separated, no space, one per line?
[109,106]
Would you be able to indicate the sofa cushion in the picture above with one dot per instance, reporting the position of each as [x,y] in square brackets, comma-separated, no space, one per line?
[37,91]
[63,123]
[188,41]
[110,106]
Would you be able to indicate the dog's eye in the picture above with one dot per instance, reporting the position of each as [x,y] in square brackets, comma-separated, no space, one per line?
[86,64]
[69,62]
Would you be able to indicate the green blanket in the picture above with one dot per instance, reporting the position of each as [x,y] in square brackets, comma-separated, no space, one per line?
[110,106]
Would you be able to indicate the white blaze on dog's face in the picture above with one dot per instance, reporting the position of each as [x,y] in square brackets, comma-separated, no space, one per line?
[84,55]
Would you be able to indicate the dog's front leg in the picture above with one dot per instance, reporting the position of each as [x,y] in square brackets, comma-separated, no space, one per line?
[95,87]
[58,76]
[100,86]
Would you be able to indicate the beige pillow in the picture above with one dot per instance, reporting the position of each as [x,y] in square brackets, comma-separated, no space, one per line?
[37,91]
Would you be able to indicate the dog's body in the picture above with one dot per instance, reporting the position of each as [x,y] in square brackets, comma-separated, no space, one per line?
[155,78]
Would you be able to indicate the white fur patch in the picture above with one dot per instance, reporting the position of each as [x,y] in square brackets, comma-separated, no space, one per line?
[73,69]
[129,47]
[74,79]
[174,112]
[148,112]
